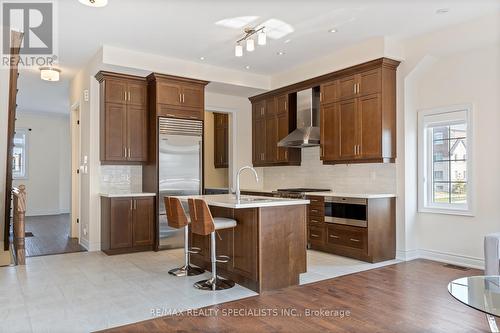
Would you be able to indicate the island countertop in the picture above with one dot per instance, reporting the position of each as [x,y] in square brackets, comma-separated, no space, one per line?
[247,201]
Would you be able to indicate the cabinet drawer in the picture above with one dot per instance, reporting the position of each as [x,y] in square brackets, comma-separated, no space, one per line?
[328,92]
[167,111]
[348,236]
[317,211]
[346,87]
[316,219]
[316,235]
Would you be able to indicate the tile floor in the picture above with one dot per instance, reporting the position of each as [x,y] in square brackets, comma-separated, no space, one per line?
[88,291]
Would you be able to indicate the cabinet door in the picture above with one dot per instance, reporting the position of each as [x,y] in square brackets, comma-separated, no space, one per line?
[271,141]
[282,104]
[282,123]
[271,108]
[370,126]
[143,221]
[115,91]
[169,93]
[245,244]
[258,109]
[220,140]
[259,140]
[329,133]
[115,129]
[121,233]
[192,96]
[370,82]
[137,133]
[328,92]
[346,87]
[137,93]
[347,129]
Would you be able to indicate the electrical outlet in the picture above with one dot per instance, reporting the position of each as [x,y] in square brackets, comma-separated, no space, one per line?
[85,231]
[86,95]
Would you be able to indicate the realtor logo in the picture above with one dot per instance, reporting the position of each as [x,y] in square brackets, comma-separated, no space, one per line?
[36,21]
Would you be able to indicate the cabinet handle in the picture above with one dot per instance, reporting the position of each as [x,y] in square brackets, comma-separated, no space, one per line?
[180,98]
[354,88]
[135,204]
[193,117]
[315,221]
[125,95]
[358,87]
[124,151]
[334,236]
[129,152]
[314,235]
[354,240]
[285,105]
[131,204]
[354,148]
[183,99]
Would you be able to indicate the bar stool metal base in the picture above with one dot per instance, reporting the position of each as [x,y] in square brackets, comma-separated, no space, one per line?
[186,271]
[220,284]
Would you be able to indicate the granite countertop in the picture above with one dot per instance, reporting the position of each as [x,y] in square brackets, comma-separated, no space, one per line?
[247,201]
[127,194]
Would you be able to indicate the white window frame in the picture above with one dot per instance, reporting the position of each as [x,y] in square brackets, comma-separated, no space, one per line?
[425,182]
[25,131]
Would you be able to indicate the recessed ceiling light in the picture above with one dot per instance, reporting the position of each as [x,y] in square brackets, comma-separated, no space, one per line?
[247,67]
[280,53]
[333,30]
[94,3]
[287,41]
[49,73]
[202,58]
[442,10]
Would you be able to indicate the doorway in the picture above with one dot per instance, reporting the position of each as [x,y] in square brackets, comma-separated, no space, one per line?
[218,151]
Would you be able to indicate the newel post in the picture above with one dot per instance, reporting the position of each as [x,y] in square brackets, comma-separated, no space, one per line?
[19,223]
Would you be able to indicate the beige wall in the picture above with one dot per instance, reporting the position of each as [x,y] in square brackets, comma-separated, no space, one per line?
[214,177]
[49,163]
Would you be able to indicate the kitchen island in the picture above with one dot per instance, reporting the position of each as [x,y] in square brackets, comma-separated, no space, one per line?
[267,248]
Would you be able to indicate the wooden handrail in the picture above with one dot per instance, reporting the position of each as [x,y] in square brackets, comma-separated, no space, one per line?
[19,205]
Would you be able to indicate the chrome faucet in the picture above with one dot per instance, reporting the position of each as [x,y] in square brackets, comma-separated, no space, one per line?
[238,194]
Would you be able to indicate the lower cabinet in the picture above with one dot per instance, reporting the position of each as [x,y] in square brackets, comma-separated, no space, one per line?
[127,224]
[374,243]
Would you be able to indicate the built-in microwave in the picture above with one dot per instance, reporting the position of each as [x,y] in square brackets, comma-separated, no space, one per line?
[348,211]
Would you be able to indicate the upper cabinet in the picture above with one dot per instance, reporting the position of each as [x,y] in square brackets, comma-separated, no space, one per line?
[177,97]
[221,140]
[357,115]
[123,118]
[273,119]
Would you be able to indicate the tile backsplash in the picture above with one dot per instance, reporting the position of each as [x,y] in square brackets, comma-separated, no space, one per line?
[121,178]
[366,178]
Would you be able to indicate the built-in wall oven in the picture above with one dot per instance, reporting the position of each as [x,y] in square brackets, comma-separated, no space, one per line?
[347,211]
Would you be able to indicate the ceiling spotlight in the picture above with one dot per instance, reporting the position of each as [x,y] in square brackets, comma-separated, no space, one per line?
[238,50]
[261,38]
[94,3]
[49,73]
[333,30]
[280,53]
[202,58]
[250,45]
[442,10]
[247,67]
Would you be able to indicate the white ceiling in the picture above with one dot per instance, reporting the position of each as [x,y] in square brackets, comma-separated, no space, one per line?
[186,29]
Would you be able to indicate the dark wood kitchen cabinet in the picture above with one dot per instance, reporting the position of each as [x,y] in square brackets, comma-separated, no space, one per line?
[221,140]
[373,243]
[123,118]
[272,120]
[177,97]
[127,224]
[357,116]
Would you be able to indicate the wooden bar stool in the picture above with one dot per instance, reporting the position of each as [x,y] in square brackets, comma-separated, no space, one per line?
[202,223]
[177,218]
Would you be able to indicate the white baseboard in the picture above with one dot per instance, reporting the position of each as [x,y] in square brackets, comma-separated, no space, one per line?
[84,243]
[449,258]
[94,247]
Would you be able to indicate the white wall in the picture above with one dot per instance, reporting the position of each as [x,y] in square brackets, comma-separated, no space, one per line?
[49,163]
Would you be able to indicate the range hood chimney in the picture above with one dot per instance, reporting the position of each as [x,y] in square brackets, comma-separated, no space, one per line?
[307,133]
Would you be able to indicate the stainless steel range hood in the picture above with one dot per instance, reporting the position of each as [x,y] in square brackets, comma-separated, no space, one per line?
[307,133]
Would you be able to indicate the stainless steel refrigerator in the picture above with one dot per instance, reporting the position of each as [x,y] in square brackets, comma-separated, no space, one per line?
[180,169]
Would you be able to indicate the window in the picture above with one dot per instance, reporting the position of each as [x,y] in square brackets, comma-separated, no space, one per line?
[445,146]
[20,155]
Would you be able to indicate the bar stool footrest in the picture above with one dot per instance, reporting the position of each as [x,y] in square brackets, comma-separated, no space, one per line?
[194,250]
[222,259]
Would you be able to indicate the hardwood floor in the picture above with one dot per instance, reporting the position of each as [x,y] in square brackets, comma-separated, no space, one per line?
[406,297]
[50,236]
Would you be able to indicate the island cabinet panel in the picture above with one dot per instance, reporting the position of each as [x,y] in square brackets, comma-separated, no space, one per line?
[267,248]
[127,224]
[374,243]
[177,97]
[123,118]
[272,120]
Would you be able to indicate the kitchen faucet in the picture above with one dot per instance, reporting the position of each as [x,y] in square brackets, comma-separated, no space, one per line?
[238,194]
